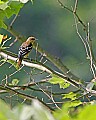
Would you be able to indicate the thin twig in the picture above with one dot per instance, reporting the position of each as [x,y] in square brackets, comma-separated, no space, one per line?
[75,7]
[13,42]
[14,19]
[82,39]
[81,22]
[91,58]
[63,6]
[13,73]
[50,97]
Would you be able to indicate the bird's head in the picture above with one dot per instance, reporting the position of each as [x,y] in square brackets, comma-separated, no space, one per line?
[31,39]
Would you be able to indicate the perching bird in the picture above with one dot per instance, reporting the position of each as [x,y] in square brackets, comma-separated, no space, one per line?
[25,48]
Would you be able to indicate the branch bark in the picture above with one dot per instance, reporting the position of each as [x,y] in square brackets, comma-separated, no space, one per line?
[42,67]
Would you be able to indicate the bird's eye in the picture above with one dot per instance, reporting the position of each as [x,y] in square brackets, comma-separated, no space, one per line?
[33,39]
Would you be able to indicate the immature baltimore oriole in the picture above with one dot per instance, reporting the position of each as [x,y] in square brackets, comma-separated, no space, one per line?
[25,48]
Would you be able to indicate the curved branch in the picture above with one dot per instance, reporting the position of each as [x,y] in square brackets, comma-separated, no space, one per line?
[40,67]
[44,68]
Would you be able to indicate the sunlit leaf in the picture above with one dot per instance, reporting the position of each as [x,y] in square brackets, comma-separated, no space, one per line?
[70,95]
[5,111]
[73,103]
[4,0]
[1,37]
[1,2]
[5,37]
[60,81]
[3,6]
[62,114]
[2,25]
[13,8]
[2,14]
[87,113]
[15,81]
[7,9]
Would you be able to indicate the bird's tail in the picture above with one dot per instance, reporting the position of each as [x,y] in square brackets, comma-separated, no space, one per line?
[19,62]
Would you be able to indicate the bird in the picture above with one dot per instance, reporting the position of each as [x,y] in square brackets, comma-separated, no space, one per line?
[25,49]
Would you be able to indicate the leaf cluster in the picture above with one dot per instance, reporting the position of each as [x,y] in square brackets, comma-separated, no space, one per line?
[7,9]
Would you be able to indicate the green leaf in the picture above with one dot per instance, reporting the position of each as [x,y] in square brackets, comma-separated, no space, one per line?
[2,25]
[15,81]
[1,37]
[70,95]
[7,9]
[3,6]
[60,81]
[95,83]
[5,112]
[2,16]
[1,2]
[73,103]
[4,1]
[14,8]
[87,113]
[62,114]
